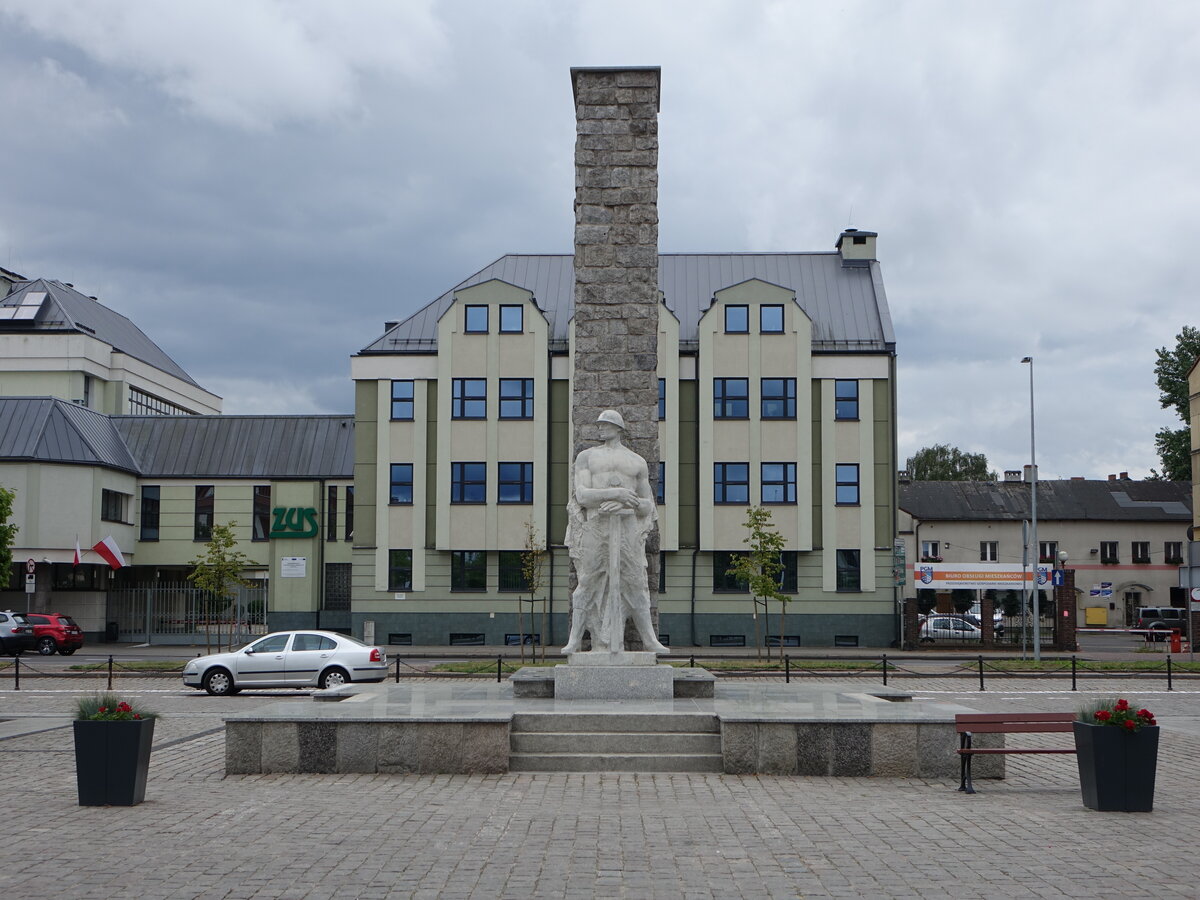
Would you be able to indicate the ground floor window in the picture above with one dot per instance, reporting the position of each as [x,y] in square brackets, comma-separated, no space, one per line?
[337,586]
[848,572]
[468,570]
[400,570]
[722,580]
[511,571]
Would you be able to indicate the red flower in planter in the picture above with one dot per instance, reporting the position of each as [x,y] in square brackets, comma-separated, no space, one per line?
[1130,725]
[1122,705]
[1103,715]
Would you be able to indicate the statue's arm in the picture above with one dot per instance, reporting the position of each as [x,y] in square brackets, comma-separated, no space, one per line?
[645,504]
[593,497]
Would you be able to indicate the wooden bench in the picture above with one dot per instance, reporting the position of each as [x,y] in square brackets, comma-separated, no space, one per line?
[969,724]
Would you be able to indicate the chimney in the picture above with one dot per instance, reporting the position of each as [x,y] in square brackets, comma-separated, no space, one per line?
[903,476]
[1012,475]
[1031,473]
[1112,477]
[388,326]
[856,247]
[1124,476]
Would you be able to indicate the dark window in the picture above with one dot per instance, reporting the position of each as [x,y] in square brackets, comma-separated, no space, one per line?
[399,570]
[150,505]
[846,493]
[731,482]
[468,570]
[466,639]
[1173,552]
[516,398]
[469,398]
[779,482]
[515,482]
[722,580]
[1048,551]
[510,571]
[337,587]
[727,640]
[512,319]
[770,319]
[662,574]
[468,482]
[731,398]
[989,551]
[1141,551]
[112,505]
[402,400]
[349,512]
[931,551]
[476,320]
[790,560]
[1109,552]
[737,319]
[662,399]
[402,483]
[66,577]
[331,532]
[845,399]
[514,639]
[261,530]
[848,574]
[202,521]
[778,398]
[660,486]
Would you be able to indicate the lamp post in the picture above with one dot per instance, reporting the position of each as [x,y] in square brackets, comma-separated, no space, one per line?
[1033,540]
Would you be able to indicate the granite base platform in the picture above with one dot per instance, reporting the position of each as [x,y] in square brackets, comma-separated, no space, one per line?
[681,682]
[458,727]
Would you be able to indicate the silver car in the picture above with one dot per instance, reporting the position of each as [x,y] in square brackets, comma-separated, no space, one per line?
[296,659]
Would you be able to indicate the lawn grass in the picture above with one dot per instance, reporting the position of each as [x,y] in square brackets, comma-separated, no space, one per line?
[133,665]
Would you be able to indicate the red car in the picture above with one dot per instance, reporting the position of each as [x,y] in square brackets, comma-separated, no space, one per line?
[55,631]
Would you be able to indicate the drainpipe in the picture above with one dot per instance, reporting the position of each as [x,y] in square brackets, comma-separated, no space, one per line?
[695,552]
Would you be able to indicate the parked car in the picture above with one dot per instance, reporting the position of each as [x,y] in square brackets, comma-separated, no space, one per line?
[16,635]
[55,632]
[949,628]
[297,659]
[1162,619]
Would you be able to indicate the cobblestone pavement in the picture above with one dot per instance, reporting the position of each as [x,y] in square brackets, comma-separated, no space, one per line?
[203,835]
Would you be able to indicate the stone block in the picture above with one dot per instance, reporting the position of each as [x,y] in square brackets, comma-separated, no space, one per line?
[317,742]
[612,658]
[937,746]
[357,747]
[777,748]
[280,747]
[739,747]
[851,749]
[243,748]
[397,751]
[440,748]
[485,748]
[814,749]
[894,750]
[613,683]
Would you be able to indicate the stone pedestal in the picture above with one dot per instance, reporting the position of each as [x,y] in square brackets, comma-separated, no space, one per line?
[600,676]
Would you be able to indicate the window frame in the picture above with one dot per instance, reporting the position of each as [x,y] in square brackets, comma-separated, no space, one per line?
[331,512]
[114,506]
[787,481]
[400,402]
[989,551]
[1173,552]
[931,551]
[662,399]
[510,566]
[789,575]
[722,398]
[762,309]
[786,397]
[745,311]
[349,520]
[524,482]
[844,573]
[460,397]
[519,308]
[460,577]
[723,583]
[839,398]
[260,515]
[203,512]
[722,483]
[396,479]
[1110,552]
[660,487]
[398,567]
[1139,558]
[1052,556]
[841,480]
[150,509]
[460,482]
[475,308]
[524,397]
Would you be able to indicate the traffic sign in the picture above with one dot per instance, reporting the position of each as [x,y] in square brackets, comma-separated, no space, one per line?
[30,566]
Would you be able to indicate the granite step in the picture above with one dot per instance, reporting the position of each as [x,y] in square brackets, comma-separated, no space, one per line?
[591,723]
[615,743]
[628,762]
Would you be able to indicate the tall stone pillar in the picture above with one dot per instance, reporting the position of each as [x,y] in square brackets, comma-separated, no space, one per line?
[616,263]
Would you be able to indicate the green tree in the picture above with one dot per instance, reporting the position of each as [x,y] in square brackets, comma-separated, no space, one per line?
[218,571]
[963,599]
[8,534]
[533,562]
[760,567]
[926,600]
[941,462]
[1170,374]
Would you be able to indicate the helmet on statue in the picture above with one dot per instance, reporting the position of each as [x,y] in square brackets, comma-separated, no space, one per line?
[612,417]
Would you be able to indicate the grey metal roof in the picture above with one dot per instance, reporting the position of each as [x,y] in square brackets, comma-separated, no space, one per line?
[1130,501]
[47,429]
[241,446]
[847,304]
[65,309]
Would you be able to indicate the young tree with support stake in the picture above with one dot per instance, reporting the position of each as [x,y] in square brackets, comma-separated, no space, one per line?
[8,534]
[218,571]
[761,566]
[532,573]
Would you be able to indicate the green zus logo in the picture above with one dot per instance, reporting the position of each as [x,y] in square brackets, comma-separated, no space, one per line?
[294,522]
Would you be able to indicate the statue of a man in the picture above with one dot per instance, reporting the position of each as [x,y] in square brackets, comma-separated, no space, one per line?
[609,514]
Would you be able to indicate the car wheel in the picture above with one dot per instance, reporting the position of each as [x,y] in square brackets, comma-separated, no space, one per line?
[68,651]
[46,646]
[218,682]
[332,678]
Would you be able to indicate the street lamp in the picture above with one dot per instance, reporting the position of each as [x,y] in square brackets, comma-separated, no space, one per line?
[1033,540]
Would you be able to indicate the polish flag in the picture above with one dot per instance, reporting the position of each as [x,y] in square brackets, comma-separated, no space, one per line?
[111,552]
[78,552]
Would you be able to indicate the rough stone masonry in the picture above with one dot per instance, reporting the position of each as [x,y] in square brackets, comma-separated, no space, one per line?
[616,262]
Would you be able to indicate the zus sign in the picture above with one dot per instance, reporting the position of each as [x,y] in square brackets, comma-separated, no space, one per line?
[294,522]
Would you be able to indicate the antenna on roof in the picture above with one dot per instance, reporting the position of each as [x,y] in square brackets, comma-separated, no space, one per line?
[850,216]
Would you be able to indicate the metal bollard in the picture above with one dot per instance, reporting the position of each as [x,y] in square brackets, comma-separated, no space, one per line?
[1074,686]
[692,662]
[787,670]
[110,672]
[17,672]
[397,670]
[498,661]
[1169,686]
[981,687]
[885,670]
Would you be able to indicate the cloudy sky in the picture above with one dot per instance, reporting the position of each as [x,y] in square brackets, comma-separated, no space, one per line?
[259,184]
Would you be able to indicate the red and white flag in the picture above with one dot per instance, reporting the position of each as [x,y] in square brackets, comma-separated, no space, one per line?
[78,552]
[111,552]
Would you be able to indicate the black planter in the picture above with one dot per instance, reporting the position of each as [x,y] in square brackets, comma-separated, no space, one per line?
[1116,767]
[111,761]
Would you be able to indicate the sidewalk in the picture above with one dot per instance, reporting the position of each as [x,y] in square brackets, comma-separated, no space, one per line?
[203,835]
